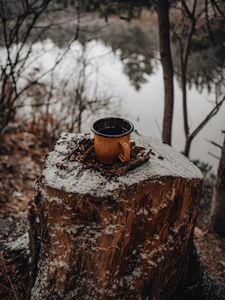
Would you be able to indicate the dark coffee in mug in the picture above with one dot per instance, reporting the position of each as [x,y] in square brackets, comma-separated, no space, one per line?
[112,130]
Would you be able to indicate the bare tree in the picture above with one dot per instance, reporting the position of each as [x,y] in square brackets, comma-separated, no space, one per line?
[19,31]
[17,19]
[202,124]
[167,65]
[186,28]
[79,92]
[184,45]
[218,201]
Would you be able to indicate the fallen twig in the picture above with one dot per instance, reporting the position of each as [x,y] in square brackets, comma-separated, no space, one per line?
[84,152]
[9,279]
[88,151]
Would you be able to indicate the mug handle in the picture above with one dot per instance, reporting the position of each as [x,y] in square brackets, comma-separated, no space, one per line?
[125,156]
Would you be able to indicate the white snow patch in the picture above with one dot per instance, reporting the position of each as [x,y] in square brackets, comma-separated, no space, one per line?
[19,244]
[110,229]
[59,264]
[142,211]
[75,178]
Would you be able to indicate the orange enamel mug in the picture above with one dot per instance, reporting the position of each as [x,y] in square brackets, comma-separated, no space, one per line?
[112,140]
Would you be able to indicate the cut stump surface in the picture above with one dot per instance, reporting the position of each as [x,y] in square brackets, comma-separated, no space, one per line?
[127,237]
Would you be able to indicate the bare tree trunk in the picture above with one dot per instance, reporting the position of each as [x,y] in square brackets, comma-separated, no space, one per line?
[218,203]
[185,47]
[166,60]
[187,146]
[183,68]
[185,110]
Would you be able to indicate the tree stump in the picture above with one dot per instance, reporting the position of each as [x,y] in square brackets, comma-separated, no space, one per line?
[125,237]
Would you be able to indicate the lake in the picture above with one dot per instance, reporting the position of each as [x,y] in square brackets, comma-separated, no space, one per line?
[122,68]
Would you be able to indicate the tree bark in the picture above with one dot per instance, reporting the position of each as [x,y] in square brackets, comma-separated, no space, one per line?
[167,65]
[187,145]
[184,58]
[218,202]
[126,237]
[184,99]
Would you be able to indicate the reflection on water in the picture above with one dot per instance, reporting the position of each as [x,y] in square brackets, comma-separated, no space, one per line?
[114,69]
[144,107]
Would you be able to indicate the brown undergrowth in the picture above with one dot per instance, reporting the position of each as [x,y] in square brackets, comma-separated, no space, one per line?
[210,247]
[22,153]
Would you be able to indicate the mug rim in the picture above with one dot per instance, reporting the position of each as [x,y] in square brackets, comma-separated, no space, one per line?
[116,135]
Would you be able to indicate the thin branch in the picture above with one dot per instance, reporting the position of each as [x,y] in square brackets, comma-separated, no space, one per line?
[191,32]
[214,143]
[213,155]
[9,279]
[211,114]
[207,20]
[214,4]
[36,81]
[35,18]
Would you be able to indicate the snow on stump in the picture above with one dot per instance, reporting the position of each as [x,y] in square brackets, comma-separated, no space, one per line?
[99,237]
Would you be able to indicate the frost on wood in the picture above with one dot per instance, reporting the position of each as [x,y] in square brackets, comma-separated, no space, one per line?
[165,162]
[19,244]
[126,237]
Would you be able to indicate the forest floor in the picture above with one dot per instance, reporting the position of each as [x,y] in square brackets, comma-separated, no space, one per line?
[210,247]
[22,153]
